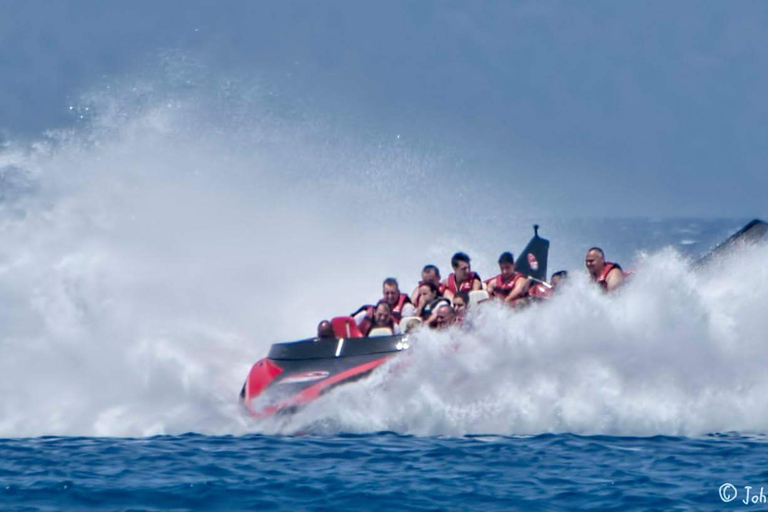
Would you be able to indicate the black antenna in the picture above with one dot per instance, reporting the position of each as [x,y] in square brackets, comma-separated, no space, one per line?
[535,230]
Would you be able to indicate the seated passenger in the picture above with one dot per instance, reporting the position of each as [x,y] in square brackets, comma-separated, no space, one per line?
[399,302]
[429,274]
[509,286]
[325,331]
[462,279]
[382,317]
[608,275]
[429,302]
[461,306]
[445,317]
[558,278]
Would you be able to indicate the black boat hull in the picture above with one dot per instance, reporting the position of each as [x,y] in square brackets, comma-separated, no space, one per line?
[294,374]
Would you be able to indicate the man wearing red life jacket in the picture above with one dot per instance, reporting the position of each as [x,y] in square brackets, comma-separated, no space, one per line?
[400,303]
[509,286]
[430,274]
[462,279]
[382,317]
[608,275]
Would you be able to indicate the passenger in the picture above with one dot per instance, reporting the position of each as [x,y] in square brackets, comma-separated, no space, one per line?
[558,278]
[382,317]
[429,274]
[608,275]
[400,302]
[461,303]
[445,317]
[430,301]
[428,296]
[325,331]
[509,286]
[461,306]
[462,279]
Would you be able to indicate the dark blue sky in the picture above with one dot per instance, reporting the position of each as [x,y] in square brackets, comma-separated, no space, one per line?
[613,109]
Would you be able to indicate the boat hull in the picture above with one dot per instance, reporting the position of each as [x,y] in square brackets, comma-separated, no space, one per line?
[295,374]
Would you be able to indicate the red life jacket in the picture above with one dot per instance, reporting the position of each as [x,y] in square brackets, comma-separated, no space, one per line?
[367,324]
[440,292]
[397,309]
[602,278]
[466,286]
[502,289]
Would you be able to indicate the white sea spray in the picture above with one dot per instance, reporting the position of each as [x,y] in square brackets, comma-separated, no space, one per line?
[150,255]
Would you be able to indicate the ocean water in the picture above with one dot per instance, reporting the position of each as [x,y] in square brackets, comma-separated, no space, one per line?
[153,249]
[383,471]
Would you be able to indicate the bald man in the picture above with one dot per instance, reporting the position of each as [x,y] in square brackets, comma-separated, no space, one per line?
[444,317]
[325,330]
[608,275]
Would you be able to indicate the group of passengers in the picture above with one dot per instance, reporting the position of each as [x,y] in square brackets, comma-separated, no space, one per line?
[442,303]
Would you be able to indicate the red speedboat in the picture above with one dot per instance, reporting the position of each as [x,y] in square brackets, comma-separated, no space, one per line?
[296,373]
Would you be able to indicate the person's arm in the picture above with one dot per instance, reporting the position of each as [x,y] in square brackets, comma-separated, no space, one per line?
[614,279]
[518,291]
[360,317]
[448,294]
[415,295]
[432,320]
[477,284]
[421,307]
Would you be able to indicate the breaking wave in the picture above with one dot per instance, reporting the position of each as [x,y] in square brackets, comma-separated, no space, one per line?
[152,253]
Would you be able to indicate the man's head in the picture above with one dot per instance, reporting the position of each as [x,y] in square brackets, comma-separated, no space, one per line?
[460,303]
[595,261]
[430,274]
[325,330]
[558,277]
[507,265]
[391,291]
[382,314]
[445,317]
[461,266]
[427,292]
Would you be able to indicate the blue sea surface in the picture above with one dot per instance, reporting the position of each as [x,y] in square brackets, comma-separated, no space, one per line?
[383,471]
